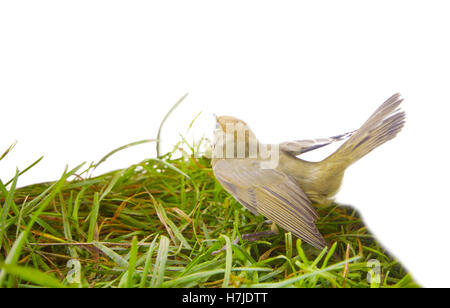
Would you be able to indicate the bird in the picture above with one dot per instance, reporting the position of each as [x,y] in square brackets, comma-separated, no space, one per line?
[270,179]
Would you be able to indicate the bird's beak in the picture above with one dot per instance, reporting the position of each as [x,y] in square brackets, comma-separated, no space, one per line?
[217,121]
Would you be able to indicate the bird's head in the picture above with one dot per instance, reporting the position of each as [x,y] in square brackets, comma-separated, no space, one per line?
[231,124]
[232,133]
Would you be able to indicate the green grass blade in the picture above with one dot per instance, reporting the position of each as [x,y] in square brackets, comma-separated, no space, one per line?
[93,218]
[104,158]
[8,150]
[66,226]
[111,184]
[160,264]
[26,169]
[32,275]
[121,262]
[228,261]
[329,254]
[171,166]
[158,138]
[173,227]
[6,206]
[148,263]
[132,262]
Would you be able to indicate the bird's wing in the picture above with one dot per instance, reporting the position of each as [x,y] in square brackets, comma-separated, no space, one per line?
[271,193]
[298,147]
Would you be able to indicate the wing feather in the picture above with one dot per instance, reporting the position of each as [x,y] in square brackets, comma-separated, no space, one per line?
[271,193]
[298,147]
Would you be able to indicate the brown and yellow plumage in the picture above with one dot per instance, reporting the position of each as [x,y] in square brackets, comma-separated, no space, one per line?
[285,193]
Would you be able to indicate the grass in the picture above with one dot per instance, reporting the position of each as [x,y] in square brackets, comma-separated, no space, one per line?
[157,223]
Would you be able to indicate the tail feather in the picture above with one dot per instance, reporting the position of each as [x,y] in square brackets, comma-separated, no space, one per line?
[384,124]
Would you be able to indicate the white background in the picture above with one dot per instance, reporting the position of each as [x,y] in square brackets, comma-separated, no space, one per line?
[80,78]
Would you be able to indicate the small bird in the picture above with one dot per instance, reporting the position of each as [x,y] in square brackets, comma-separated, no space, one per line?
[270,179]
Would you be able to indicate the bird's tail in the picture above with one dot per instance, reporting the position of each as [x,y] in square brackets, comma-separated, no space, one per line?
[384,124]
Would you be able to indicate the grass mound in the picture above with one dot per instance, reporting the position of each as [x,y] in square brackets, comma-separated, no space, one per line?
[157,223]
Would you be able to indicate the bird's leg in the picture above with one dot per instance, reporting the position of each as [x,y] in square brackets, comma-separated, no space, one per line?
[251,237]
